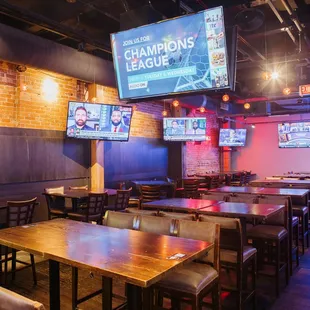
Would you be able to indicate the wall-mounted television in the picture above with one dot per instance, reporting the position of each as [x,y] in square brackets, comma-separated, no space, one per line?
[98,121]
[184,128]
[232,137]
[294,135]
[181,55]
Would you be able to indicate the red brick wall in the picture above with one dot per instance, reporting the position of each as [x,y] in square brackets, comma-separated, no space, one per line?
[203,157]
[29,108]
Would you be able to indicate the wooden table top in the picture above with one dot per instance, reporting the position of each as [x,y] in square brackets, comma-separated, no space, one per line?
[293,175]
[182,204]
[246,210]
[136,257]
[77,194]
[296,192]
[297,182]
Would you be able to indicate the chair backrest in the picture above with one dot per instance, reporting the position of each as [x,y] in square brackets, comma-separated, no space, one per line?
[190,188]
[85,188]
[215,182]
[247,177]
[239,178]
[121,220]
[178,216]
[20,212]
[150,193]
[215,196]
[228,178]
[141,211]
[96,203]
[209,232]
[55,190]
[231,233]
[13,301]
[156,224]
[122,199]
[283,218]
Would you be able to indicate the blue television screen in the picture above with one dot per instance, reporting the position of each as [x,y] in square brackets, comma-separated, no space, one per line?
[232,137]
[294,135]
[181,55]
[98,121]
[184,128]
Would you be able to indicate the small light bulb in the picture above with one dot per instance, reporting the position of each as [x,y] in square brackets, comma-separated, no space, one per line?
[253,126]
[246,105]
[225,98]
[175,103]
[202,109]
[286,91]
[164,113]
[24,87]
[274,75]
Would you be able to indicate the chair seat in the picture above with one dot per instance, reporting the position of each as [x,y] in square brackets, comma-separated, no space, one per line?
[231,256]
[192,278]
[58,211]
[80,216]
[300,210]
[267,232]
[295,221]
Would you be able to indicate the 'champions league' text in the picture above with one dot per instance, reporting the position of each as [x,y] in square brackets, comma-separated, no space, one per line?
[157,54]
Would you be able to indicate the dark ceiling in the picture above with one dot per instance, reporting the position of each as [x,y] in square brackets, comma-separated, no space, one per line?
[269,37]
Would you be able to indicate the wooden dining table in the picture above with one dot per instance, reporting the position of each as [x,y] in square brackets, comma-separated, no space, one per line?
[178,204]
[285,183]
[294,192]
[138,258]
[76,194]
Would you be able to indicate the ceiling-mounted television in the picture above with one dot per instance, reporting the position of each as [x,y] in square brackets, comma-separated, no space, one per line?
[184,128]
[294,135]
[98,121]
[232,137]
[181,55]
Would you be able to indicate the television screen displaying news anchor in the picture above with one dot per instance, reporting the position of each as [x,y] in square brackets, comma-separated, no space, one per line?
[98,121]
[180,55]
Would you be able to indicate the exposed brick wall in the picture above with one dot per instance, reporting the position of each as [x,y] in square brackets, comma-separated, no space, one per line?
[29,109]
[203,157]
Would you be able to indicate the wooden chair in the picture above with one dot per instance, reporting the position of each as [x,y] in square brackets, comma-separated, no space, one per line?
[234,255]
[195,280]
[238,179]
[149,193]
[18,213]
[190,189]
[272,243]
[215,182]
[94,211]
[13,301]
[82,202]
[55,204]
[228,179]
[121,200]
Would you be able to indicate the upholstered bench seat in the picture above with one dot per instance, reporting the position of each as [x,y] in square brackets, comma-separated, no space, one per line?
[267,232]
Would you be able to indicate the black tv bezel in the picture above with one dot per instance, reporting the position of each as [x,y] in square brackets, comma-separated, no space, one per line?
[185,117]
[170,95]
[106,104]
[246,131]
[291,147]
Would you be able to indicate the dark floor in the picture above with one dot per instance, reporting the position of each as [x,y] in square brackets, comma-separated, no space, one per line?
[293,297]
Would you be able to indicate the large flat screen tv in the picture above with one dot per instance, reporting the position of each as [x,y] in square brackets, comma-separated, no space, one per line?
[181,55]
[184,128]
[98,121]
[294,135]
[232,137]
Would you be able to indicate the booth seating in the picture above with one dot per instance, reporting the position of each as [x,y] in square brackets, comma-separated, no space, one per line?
[12,301]
[234,255]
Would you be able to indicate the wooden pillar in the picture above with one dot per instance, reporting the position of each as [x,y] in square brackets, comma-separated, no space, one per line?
[97,151]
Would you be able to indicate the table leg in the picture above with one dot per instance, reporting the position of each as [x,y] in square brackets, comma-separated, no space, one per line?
[54,285]
[139,298]
[107,293]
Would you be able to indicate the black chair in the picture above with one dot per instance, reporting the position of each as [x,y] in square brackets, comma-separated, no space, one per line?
[121,201]
[18,213]
[94,211]
[55,204]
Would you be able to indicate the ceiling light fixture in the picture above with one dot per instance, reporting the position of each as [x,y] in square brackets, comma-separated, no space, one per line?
[246,105]
[275,75]
[71,1]
[286,91]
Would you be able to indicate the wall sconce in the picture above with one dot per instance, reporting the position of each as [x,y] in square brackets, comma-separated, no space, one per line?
[50,90]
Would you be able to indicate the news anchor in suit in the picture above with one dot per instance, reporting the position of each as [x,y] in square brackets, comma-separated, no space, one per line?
[195,130]
[80,117]
[116,123]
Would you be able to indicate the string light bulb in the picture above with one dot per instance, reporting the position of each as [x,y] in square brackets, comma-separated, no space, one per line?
[286,91]
[164,113]
[24,87]
[253,126]
[202,109]
[246,105]
[225,98]
[266,76]
[175,103]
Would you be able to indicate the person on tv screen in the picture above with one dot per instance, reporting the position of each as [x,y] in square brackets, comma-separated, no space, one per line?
[116,124]
[195,130]
[174,129]
[80,117]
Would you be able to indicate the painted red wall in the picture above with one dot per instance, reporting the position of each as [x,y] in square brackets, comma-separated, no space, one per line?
[262,155]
